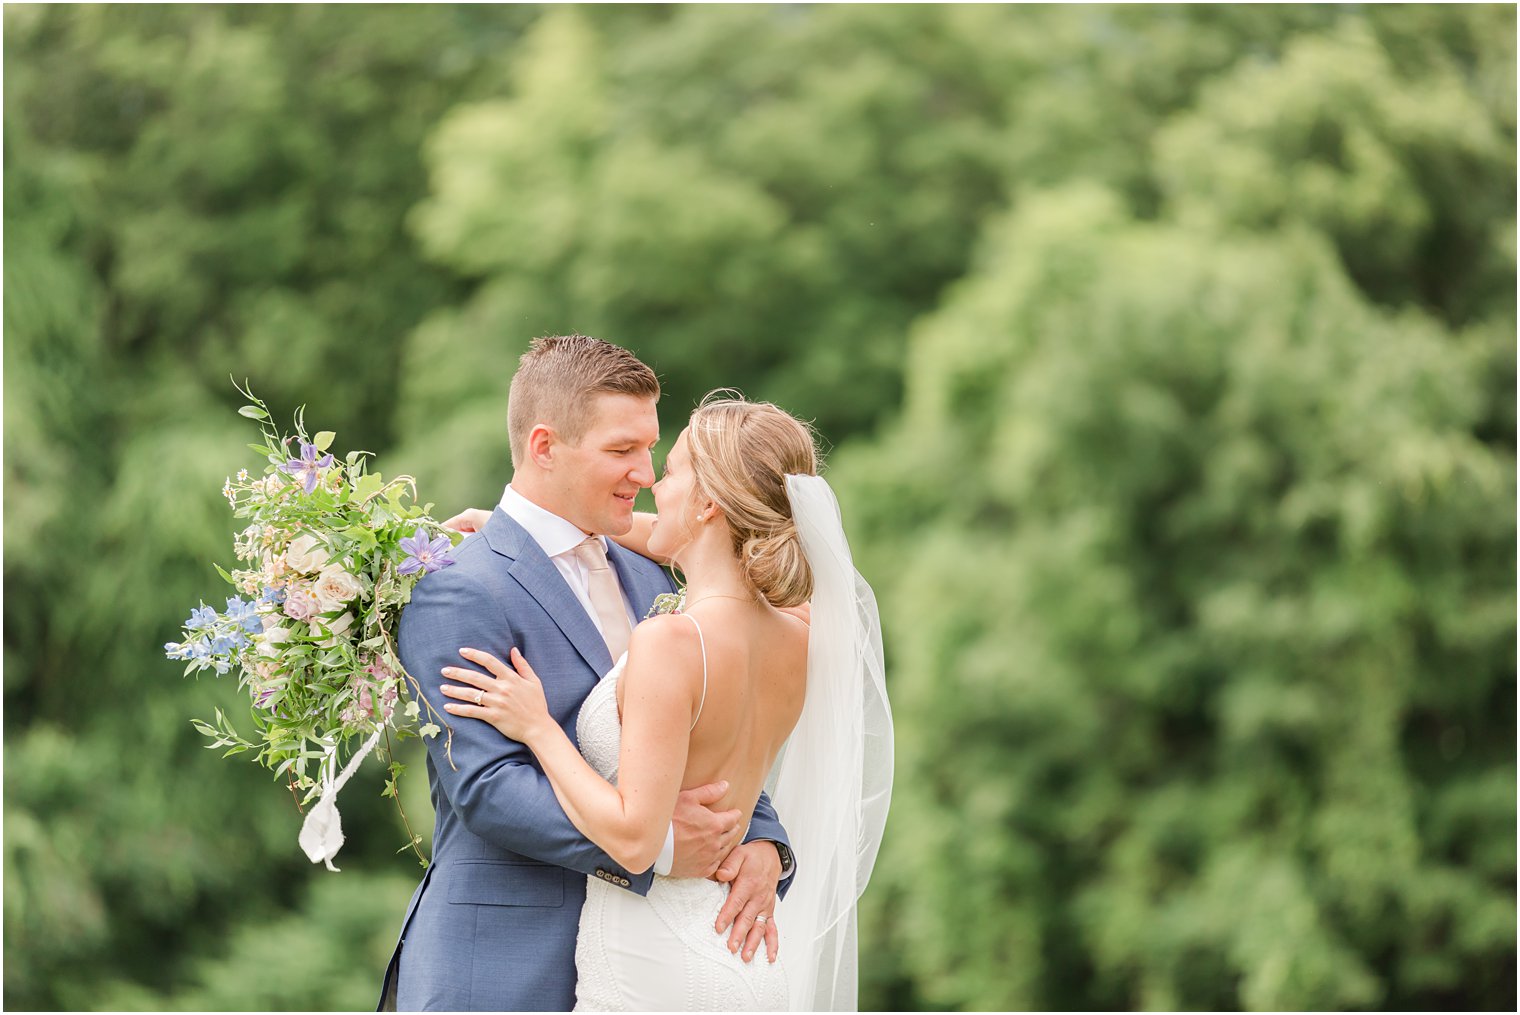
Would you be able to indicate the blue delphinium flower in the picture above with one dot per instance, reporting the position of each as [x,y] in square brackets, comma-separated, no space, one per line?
[274,597]
[200,618]
[174,650]
[244,614]
[308,468]
[424,554]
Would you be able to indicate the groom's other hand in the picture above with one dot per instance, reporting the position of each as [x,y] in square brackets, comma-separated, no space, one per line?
[703,836]
[752,872]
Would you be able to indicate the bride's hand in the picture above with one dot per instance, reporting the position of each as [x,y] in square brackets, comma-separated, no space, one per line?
[511,698]
[469,520]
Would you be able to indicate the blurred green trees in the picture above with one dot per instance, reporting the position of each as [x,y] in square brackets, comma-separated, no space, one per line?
[1168,354]
[1223,642]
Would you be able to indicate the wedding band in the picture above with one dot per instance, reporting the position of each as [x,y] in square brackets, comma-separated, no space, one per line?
[762,918]
[480,696]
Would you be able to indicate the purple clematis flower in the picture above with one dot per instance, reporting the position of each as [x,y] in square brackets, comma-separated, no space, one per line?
[308,468]
[424,554]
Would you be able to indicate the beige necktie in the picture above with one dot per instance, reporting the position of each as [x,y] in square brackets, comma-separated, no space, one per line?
[605,597]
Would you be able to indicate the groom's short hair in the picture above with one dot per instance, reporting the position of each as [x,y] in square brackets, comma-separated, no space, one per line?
[557,378]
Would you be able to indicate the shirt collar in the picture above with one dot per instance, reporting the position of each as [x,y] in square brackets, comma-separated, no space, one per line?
[552,533]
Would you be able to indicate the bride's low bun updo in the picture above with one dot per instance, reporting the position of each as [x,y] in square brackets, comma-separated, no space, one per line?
[775,565]
[741,454]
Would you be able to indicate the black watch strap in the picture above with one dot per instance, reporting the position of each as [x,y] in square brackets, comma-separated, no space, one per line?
[785,854]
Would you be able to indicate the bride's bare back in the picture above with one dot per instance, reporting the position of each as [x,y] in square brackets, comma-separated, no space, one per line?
[756,658]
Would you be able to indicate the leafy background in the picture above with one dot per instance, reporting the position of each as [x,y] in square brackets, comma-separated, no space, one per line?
[1167,358]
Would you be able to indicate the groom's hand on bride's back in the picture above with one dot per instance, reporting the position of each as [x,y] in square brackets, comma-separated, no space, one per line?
[703,836]
[748,917]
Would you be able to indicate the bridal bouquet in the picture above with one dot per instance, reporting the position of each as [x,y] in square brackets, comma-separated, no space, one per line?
[327,560]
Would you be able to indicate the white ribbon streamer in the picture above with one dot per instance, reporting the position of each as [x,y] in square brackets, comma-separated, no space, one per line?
[322,831]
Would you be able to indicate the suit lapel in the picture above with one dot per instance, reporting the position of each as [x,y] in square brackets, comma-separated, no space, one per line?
[642,580]
[539,577]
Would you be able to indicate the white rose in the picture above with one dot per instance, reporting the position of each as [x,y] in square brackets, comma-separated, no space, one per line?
[274,636]
[306,554]
[334,587]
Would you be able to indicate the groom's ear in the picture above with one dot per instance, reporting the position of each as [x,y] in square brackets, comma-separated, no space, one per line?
[540,445]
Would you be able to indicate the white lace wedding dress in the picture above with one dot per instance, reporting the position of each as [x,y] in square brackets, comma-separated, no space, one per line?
[660,952]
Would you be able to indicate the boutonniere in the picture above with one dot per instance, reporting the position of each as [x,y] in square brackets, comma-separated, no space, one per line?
[667,602]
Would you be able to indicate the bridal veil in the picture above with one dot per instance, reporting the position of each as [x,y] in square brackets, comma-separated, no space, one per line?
[833,781]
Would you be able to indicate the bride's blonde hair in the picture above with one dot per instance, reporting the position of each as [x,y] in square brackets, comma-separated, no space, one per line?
[741,454]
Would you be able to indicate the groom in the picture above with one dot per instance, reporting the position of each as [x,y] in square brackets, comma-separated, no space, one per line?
[492,926]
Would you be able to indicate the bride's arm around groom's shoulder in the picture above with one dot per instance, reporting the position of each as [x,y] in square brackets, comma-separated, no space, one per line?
[636,539]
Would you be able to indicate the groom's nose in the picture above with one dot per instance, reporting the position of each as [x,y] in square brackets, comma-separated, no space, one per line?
[642,472]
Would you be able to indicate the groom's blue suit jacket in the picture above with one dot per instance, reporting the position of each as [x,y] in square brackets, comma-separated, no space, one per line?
[492,925]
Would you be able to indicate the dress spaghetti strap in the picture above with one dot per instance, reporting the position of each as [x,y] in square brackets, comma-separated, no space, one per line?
[703,642]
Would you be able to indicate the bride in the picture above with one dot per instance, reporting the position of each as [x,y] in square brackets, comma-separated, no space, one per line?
[748,682]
